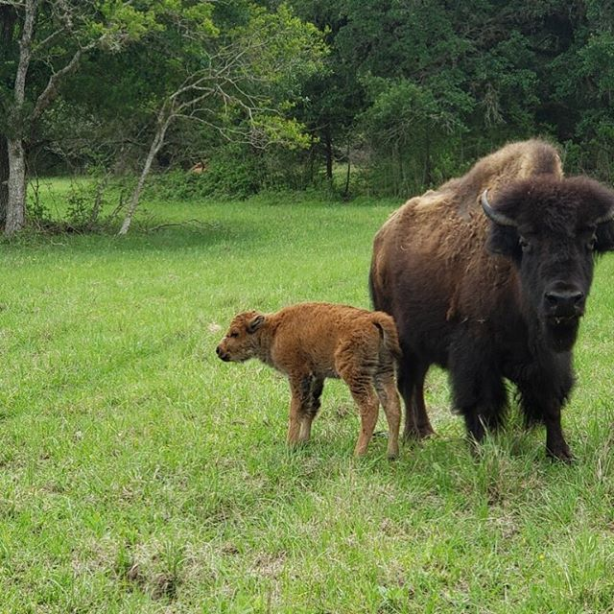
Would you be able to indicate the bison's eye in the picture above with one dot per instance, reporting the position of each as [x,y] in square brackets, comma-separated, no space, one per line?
[233,334]
[524,244]
[591,243]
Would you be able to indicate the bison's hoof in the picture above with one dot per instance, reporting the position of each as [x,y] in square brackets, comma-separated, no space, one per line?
[562,454]
[418,434]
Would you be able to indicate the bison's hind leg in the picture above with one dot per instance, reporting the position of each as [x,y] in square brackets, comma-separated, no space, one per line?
[411,376]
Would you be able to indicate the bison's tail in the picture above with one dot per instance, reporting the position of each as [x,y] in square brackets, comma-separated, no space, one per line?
[372,290]
[388,331]
[375,298]
[378,297]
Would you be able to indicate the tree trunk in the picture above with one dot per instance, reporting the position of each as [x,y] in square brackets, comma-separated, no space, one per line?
[427,179]
[328,145]
[8,17]
[4,178]
[346,192]
[16,205]
[16,210]
[156,144]
[311,161]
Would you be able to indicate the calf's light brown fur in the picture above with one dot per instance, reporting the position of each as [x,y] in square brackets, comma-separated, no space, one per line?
[312,341]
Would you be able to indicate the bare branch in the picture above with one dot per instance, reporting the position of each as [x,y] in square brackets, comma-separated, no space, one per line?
[48,40]
[51,91]
[25,50]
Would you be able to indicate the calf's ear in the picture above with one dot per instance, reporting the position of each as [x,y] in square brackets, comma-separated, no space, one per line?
[255,323]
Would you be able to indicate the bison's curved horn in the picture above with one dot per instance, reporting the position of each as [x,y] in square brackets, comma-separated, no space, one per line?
[495,216]
[608,217]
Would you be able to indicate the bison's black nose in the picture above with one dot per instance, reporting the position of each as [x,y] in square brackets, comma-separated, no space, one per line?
[218,350]
[564,302]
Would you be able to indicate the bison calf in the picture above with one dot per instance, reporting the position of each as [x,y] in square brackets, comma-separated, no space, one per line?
[312,341]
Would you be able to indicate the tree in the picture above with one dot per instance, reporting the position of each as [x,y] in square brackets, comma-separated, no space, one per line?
[240,82]
[45,42]
[333,97]
[7,21]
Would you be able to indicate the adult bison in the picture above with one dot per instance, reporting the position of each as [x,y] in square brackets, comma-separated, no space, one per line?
[488,277]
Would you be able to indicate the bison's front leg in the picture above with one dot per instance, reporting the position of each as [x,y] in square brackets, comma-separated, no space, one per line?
[556,446]
[478,390]
[542,403]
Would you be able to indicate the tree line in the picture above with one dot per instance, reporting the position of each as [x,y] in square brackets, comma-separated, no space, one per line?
[387,96]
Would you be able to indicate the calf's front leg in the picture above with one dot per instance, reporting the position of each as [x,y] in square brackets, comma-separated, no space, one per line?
[300,388]
[315,392]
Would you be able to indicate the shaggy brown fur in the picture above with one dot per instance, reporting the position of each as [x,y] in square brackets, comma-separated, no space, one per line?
[491,301]
[312,341]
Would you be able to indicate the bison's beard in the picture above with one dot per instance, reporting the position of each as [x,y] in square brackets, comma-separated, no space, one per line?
[561,333]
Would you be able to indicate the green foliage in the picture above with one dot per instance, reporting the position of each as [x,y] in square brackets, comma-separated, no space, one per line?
[225,177]
[235,171]
[435,82]
[406,93]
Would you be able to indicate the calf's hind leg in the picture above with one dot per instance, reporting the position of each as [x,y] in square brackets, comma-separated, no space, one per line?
[387,392]
[363,394]
[368,405]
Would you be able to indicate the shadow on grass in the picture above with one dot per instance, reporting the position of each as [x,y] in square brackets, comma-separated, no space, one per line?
[163,237]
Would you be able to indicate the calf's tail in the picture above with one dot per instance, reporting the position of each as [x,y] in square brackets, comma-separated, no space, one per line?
[389,334]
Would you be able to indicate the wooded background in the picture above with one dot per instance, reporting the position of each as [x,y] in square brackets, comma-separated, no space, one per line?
[382,97]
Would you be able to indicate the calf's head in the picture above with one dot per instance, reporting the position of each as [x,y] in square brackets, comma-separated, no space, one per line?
[552,229]
[242,339]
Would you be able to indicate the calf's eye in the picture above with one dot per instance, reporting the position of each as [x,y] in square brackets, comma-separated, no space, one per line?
[524,244]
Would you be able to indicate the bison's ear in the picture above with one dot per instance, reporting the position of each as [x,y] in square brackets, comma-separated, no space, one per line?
[605,237]
[504,241]
[503,237]
[605,231]
[602,199]
[255,323]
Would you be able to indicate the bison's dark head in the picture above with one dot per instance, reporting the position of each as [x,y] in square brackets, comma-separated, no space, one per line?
[551,229]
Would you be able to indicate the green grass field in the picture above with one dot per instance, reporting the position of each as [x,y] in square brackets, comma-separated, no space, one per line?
[138,473]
